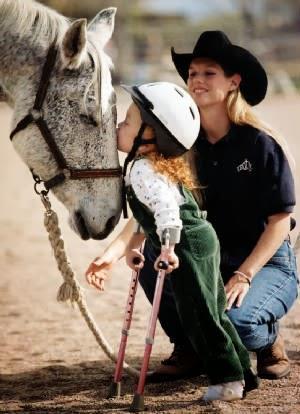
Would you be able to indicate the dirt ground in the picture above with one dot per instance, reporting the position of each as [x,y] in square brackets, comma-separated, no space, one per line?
[49,360]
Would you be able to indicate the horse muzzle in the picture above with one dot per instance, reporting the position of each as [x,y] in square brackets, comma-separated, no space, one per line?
[86,231]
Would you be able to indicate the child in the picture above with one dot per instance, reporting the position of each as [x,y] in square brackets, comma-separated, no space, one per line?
[158,192]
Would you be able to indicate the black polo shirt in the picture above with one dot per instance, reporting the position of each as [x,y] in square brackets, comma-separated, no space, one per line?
[246,178]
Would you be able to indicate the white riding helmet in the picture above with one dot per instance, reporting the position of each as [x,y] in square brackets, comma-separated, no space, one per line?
[171,112]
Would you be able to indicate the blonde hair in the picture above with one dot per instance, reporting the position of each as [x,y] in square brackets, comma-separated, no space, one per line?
[175,168]
[179,170]
[240,113]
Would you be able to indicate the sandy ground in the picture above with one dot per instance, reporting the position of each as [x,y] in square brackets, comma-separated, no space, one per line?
[49,360]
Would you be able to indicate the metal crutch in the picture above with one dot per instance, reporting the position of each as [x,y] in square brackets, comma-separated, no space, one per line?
[138,399]
[115,387]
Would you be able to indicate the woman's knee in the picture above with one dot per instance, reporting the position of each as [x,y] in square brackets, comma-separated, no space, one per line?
[242,320]
[245,327]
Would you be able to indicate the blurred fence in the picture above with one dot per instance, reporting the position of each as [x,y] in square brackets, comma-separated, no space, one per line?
[140,46]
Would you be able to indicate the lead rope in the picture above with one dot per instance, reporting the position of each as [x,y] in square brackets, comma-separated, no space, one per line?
[71,289]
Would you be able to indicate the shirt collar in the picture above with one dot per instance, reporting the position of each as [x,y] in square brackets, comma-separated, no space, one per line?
[230,136]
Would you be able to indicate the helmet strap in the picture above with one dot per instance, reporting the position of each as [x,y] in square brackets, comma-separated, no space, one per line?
[138,141]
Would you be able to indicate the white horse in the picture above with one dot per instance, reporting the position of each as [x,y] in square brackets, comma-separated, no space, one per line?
[79,107]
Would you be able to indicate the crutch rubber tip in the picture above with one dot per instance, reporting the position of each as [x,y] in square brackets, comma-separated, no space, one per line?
[114,390]
[137,404]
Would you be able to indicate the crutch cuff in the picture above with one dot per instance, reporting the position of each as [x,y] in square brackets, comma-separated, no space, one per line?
[174,233]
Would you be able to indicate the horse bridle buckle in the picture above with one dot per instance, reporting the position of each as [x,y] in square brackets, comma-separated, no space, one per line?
[38,181]
[37,114]
[67,173]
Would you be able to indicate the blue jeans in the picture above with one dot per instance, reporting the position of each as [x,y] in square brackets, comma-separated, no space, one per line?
[273,291]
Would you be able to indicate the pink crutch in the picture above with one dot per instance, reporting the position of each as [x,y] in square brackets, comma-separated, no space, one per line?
[138,399]
[115,387]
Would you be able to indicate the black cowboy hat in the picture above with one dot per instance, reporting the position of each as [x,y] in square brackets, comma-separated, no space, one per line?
[215,45]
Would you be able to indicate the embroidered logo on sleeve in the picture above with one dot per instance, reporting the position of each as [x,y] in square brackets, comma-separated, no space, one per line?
[245,166]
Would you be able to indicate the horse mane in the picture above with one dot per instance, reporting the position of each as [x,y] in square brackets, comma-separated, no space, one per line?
[27,17]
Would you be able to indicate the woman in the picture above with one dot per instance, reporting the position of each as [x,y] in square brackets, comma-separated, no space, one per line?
[248,192]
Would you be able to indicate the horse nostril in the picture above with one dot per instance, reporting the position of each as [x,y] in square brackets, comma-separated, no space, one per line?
[81,226]
[110,224]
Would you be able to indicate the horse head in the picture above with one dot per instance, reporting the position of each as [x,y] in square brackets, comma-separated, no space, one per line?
[79,107]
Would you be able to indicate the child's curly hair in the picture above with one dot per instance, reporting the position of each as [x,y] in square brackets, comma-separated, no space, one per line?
[175,168]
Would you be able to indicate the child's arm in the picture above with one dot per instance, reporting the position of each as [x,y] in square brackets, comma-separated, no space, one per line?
[98,270]
[161,197]
[134,258]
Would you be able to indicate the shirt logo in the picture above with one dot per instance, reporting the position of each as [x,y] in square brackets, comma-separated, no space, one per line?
[245,166]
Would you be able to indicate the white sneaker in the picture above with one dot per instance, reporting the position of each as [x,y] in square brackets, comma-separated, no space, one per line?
[228,391]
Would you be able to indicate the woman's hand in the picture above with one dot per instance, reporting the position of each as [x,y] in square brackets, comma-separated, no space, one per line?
[172,259]
[236,289]
[98,270]
[134,259]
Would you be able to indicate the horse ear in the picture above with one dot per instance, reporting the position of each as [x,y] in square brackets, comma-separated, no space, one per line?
[103,25]
[74,44]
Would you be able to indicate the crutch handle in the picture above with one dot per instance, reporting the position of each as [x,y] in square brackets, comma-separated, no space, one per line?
[163,265]
[136,260]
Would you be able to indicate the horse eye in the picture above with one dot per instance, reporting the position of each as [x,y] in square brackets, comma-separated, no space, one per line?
[88,119]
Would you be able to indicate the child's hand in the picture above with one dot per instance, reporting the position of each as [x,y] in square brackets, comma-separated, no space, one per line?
[98,271]
[172,259]
[135,259]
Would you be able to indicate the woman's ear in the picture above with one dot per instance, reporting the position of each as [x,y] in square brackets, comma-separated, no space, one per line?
[235,82]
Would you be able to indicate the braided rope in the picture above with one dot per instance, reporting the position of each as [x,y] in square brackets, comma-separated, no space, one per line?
[71,289]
